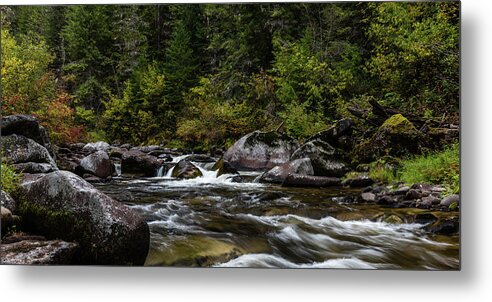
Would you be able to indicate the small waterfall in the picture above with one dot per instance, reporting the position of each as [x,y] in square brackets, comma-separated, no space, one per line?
[160,171]
[117,169]
[207,174]
[169,173]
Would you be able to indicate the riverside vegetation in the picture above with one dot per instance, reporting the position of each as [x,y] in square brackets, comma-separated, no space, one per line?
[268,135]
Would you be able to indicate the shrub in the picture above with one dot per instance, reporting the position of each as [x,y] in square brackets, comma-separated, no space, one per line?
[9,178]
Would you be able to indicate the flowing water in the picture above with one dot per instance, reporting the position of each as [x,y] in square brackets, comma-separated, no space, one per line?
[212,221]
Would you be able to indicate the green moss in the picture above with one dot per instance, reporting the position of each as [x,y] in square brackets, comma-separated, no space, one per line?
[398,124]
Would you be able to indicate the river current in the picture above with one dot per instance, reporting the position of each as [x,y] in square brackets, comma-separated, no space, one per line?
[212,221]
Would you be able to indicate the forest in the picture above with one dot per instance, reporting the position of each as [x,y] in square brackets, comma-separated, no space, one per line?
[201,76]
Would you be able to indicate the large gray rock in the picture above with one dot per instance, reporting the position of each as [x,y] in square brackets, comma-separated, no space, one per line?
[29,252]
[137,163]
[324,158]
[278,174]
[448,200]
[186,170]
[261,150]
[27,126]
[20,149]
[97,164]
[62,205]
[8,202]
[97,146]
[31,167]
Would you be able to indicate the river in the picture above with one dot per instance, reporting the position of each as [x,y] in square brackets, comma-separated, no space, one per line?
[212,221]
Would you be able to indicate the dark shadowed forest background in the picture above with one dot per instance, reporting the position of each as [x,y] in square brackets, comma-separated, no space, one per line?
[201,76]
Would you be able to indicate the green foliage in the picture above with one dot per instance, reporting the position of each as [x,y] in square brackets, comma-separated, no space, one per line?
[26,79]
[212,122]
[385,169]
[9,178]
[416,53]
[143,112]
[435,168]
[132,73]
[301,123]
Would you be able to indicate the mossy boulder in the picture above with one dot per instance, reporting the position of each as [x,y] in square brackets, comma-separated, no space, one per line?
[397,136]
[184,169]
[61,205]
[261,150]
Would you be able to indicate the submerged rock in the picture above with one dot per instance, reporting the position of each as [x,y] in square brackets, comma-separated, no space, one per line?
[63,205]
[29,252]
[323,156]
[279,173]
[137,163]
[18,149]
[97,164]
[186,170]
[261,150]
[297,180]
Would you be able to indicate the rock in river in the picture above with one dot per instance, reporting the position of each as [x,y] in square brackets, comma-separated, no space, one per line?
[323,158]
[137,163]
[61,205]
[261,150]
[97,164]
[186,170]
[297,180]
[279,173]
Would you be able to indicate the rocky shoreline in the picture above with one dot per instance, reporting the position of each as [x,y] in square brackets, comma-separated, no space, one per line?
[58,217]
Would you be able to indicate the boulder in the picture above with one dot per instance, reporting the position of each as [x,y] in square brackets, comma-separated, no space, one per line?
[186,170]
[279,173]
[5,218]
[137,163]
[33,168]
[61,205]
[223,167]
[337,135]
[8,202]
[97,146]
[449,200]
[18,149]
[397,136]
[324,158]
[117,152]
[413,194]
[298,180]
[261,150]
[146,149]
[448,226]
[368,197]
[27,126]
[97,164]
[29,252]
